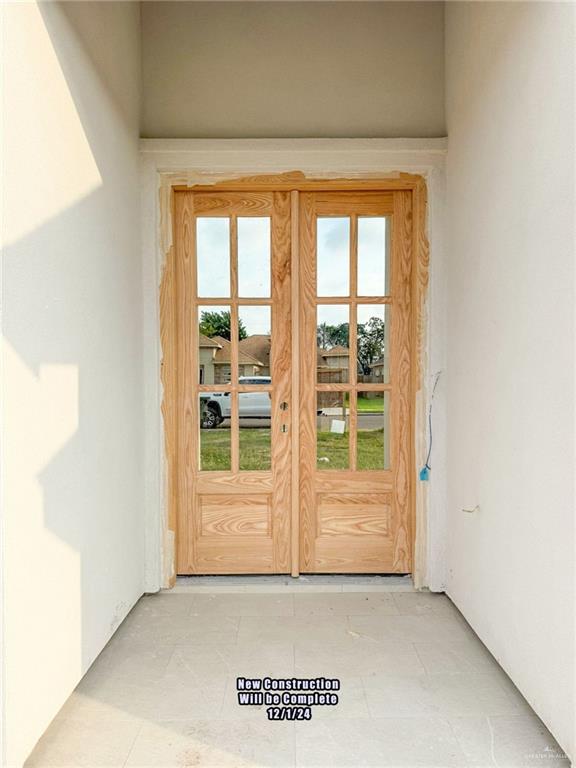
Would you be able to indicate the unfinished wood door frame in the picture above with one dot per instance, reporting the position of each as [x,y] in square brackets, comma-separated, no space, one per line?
[294,183]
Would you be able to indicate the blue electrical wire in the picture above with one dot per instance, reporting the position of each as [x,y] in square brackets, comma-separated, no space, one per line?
[425,471]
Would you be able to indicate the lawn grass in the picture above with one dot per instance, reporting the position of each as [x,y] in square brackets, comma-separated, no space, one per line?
[370,449]
[368,404]
[332,451]
[369,453]
[215,449]
[255,449]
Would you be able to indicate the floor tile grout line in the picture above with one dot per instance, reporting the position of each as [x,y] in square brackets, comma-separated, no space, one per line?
[368,710]
[223,702]
[131,749]
[457,740]
[492,746]
[172,654]
[424,667]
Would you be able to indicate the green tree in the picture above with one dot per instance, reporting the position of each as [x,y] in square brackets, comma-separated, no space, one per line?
[328,336]
[370,342]
[218,324]
[322,336]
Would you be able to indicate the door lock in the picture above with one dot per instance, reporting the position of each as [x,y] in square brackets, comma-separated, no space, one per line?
[284,406]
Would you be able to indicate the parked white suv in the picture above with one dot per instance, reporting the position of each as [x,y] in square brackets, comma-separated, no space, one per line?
[216,406]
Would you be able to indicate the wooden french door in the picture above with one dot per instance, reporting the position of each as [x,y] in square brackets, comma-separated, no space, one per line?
[290,438]
[233,326]
[355,368]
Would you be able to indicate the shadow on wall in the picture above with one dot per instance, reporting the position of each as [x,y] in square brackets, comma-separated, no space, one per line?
[72,347]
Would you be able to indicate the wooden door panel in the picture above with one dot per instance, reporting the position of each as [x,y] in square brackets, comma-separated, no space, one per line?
[359,514]
[234,203]
[354,482]
[350,203]
[349,554]
[234,556]
[240,483]
[234,515]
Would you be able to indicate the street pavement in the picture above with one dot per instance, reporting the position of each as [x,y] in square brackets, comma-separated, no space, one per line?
[365,421]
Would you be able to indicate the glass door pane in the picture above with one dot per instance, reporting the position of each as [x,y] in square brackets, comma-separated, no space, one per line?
[333,256]
[332,339]
[253,257]
[332,426]
[213,257]
[373,256]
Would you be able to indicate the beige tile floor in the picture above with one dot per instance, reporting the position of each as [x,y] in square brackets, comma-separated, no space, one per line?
[418,687]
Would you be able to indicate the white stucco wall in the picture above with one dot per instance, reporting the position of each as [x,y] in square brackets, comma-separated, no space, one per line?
[72,404]
[510,247]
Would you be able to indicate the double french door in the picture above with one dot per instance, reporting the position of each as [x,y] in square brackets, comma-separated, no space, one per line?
[292,419]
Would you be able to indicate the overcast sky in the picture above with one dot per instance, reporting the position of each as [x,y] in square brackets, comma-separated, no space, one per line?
[333,243]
